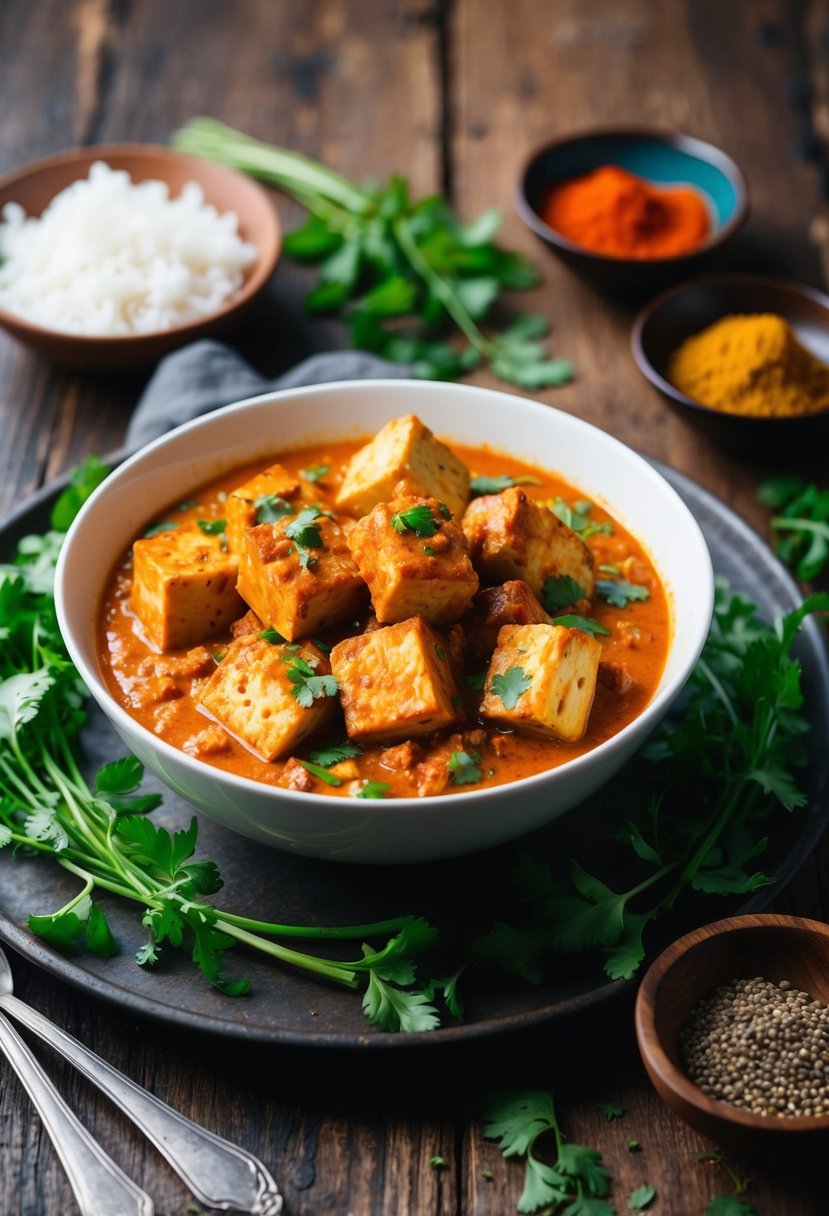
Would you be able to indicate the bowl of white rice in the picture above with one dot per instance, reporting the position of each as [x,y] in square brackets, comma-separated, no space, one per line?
[113,255]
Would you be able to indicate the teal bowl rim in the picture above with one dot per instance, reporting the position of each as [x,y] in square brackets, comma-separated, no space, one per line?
[698,149]
[758,422]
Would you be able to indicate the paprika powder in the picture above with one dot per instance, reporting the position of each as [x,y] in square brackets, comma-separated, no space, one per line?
[613,212]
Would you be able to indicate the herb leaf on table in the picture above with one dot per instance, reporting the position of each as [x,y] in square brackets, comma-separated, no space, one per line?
[403,272]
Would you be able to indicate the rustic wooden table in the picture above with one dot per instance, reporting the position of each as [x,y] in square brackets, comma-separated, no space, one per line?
[452,93]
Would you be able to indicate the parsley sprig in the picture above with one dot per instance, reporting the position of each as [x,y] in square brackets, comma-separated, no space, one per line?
[103,837]
[401,270]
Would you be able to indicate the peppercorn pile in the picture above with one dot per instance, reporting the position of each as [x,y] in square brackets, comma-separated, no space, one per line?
[760,1046]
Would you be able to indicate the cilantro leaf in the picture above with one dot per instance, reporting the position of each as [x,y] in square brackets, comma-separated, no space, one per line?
[373,789]
[560,591]
[212,527]
[476,680]
[801,526]
[316,473]
[271,635]
[305,534]
[503,481]
[577,516]
[308,687]
[393,1008]
[415,519]
[317,770]
[585,623]
[611,1111]
[270,507]
[641,1197]
[120,776]
[21,696]
[510,685]
[619,592]
[330,754]
[464,767]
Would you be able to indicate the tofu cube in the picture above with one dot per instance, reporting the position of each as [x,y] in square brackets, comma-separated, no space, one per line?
[252,696]
[408,571]
[245,503]
[298,599]
[183,587]
[512,537]
[547,681]
[396,683]
[403,458]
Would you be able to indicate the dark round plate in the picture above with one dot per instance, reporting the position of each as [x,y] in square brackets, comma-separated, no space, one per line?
[286,1007]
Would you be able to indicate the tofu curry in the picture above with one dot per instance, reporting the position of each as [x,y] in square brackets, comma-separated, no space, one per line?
[389,619]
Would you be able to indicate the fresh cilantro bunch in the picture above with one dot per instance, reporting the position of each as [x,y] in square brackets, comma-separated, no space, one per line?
[104,837]
[693,806]
[402,271]
[801,524]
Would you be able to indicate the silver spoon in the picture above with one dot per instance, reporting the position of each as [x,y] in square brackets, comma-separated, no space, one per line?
[220,1174]
[98,1184]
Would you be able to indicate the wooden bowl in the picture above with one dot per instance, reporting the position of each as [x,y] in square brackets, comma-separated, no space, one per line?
[661,157]
[35,185]
[675,315]
[774,947]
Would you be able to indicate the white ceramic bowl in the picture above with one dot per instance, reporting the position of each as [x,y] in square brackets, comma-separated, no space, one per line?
[405,829]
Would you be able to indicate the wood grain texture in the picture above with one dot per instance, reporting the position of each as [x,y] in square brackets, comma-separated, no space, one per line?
[446,92]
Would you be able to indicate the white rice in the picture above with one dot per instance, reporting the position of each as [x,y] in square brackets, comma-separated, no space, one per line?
[110,258]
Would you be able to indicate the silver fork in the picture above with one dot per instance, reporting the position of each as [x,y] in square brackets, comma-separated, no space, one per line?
[220,1174]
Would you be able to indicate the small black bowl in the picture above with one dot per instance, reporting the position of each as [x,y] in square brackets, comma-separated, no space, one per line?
[668,320]
[666,158]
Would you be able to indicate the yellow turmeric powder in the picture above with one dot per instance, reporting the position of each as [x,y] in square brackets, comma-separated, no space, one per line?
[751,365]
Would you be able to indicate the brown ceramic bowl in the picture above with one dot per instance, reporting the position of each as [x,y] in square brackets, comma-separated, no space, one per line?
[36,184]
[774,947]
[685,310]
[667,158]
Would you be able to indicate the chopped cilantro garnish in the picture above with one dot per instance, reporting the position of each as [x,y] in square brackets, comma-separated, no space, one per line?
[187,504]
[577,517]
[307,687]
[476,680]
[212,527]
[619,592]
[494,485]
[218,655]
[316,473]
[440,652]
[323,646]
[561,591]
[305,534]
[270,508]
[614,570]
[317,770]
[444,510]
[511,685]
[586,624]
[373,789]
[464,767]
[271,635]
[429,551]
[330,754]
[419,520]
[155,529]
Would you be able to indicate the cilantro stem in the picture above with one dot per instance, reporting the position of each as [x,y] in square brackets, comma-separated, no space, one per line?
[341,932]
[442,288]
[781,524]
[339,972]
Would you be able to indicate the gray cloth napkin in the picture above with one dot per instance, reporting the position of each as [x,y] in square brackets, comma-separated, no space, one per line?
[205,375]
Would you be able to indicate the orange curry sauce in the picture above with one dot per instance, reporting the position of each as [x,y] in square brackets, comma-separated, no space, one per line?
[158,690]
